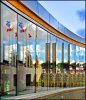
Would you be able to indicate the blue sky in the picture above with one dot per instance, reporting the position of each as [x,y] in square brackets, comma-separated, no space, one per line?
[69,13]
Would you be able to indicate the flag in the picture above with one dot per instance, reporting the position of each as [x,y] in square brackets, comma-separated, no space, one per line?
[20,24]
[29,35]
[9,29]
[23,29]
[9,25]
[16,34]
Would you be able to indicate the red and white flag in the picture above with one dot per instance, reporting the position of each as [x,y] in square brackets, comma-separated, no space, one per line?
[9,26]
[16,34]
[29,35]
[23,30]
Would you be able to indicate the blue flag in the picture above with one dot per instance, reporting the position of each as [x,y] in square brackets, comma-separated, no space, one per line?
[8,23]
[20,24]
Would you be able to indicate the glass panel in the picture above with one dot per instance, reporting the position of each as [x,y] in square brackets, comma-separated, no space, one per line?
[82,56]
[61,28]
[59,63]
[53,22]
[77,56]
[59,53]
[52,69]
[72,69]
[48,56]
[73,56]
[26,56]
[43,13]
[9,49]
[33,5]
[66,65]
[41,68]
[82,67]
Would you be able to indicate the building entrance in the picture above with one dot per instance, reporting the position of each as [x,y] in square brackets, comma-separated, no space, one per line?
[28,79]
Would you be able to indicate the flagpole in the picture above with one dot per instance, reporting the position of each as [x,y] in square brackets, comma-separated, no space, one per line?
[35,58]
[23,50]
[9,48]
[12,50]
[17,60]
[29,49]
[26,49]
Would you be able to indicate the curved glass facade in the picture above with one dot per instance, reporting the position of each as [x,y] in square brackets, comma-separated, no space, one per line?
[32,59]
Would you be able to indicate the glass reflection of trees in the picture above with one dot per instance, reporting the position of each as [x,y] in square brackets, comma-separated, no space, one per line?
[73,55]
[59,53]
[77,56]
[82,57]
[9,49]
[41,68]
[66,65]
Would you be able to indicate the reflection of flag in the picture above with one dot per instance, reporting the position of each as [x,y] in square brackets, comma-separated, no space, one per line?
[16,34]
[23,30]
[29,35]
[20,24]
[9,29]
[9,25]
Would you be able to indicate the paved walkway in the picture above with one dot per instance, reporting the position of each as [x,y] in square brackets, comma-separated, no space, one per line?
[40,94]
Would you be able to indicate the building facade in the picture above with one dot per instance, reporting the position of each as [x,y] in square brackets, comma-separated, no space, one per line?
[36,50]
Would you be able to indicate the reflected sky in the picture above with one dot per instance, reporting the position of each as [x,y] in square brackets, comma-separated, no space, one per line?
[40,39]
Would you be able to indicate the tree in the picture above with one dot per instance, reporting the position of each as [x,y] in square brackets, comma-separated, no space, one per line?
[37,62]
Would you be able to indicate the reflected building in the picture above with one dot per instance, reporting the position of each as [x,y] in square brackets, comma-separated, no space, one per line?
[35,49]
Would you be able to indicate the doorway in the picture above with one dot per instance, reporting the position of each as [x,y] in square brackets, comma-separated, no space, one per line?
[28,79]
[15,79]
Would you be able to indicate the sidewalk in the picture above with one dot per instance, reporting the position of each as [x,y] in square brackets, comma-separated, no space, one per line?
[42,93]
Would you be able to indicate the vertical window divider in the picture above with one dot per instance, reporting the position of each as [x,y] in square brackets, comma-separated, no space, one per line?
[0,50]
[17,60]
[35,57]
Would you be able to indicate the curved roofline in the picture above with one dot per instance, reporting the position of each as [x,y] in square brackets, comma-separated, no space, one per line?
[24,9]
[37,8]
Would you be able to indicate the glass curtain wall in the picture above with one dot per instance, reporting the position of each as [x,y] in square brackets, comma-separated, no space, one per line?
[8,51]
[26,56]
[59,63]
[41,54]
[82,56]
[66,65]
[33,59]
[48,56]
[73,56]
[52,70]
[77,56]
[59,54]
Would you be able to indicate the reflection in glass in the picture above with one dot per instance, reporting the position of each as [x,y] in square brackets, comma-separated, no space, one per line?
[59,53]
[41,68]
[73,55]
[77,56]
[66,65]
[26,56]
[34,60]
[9,49]
[82,56]
[52,70]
